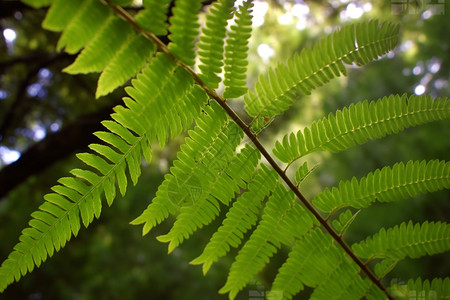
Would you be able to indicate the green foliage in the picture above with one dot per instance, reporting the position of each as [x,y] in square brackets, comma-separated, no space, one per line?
[125,63]
[406,240]
[386,185]
[211,41]
[438,288]
[313,67]
[184,30]
[236,51]
[357,123]
[217,170]
[153,17]
[87,21]
[240,218]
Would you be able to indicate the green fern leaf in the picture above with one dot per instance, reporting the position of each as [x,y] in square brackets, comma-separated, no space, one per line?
[344,282]
[283,221]
[310,259]
[439,288]
[302,172]
[222,189]
[187,181]
[389,184]
[317,262]
[110,38]
[50,228]
[406,241]
[345,220]
[61,13]
[315,67]
[240,218]
[236,50]
[210,46]
[184,29]
[166,97]
[52,225]
[164,112]
[206,207]
[84,25]
[127,61]
[385,266]
[154,16]
[358,123]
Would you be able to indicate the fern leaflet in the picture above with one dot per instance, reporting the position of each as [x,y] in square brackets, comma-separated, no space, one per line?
[236,52]
[210,46]
[82,28]
[153,17]
[240,218]
[60,14]
[282,221]
[184,29]
[111,36]
[126,62]
[222,189]
[405,240]
[389,184]
[187,182]
[357,123]
[315,67]
[309,260]
[438,288]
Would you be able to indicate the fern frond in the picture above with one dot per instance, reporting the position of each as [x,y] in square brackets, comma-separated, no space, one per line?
[317,262]
[236,51]
[344,221]
[439,288]
[406,240]
[60,14]
[206,207]
[153,17]
[210,46]
[343,282]
[315,67]
[110,38]
[184,29]
[302,172]
[310,259]
[88,20]
[389,184]
[130,137]
[59,217]
[240,218]
[382,268]
[165,112]
[187,181]
[283,221]
[358,123]
[127,61]
[222,189]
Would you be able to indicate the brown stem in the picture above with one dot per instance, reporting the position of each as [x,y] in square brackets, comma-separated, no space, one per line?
[222,102]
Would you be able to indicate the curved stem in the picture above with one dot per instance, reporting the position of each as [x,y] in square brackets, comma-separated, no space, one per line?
[252,136]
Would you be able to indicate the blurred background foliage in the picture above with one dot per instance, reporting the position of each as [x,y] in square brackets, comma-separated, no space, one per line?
[111,260]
